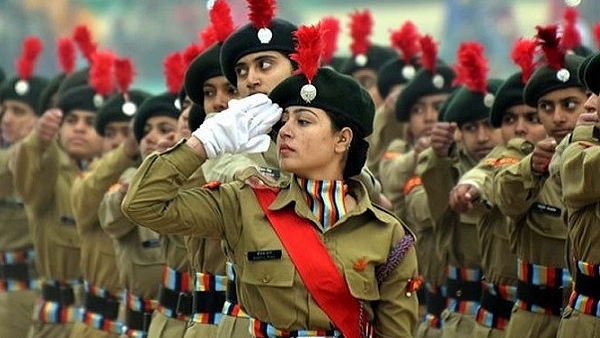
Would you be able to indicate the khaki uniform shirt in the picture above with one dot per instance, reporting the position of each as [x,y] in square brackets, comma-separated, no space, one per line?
[386,129]
[13,220]
[44,180]
[397,166]
[271,290]
[97,250]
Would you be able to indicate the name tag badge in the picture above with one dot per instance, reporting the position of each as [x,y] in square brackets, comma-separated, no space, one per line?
[546,209]
[265,255]
[270,172]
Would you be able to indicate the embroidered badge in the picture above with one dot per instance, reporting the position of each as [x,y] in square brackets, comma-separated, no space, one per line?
[212,185]
[389,155]
[413,285]
[360,264]
[585,144]
[412,183]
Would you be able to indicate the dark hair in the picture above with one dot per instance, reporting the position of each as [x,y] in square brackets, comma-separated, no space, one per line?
[357,153]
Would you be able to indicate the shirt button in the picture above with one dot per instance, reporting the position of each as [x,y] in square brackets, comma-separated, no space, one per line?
[266,279]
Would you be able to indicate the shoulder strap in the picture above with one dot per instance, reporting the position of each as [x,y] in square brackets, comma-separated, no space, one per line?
[319,273]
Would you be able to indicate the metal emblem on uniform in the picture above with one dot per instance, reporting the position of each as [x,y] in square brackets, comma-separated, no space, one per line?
[527,147]
[488,100]
[21,87]
[563,75]
[98,100]
[361,60]
[408,72]
[128,108]
[264,35]
[308,92]
[177,104]
[438,81]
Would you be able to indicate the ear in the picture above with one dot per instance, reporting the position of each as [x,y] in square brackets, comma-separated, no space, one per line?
[344,139]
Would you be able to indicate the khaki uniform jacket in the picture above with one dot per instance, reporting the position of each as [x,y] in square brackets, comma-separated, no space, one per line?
[456,233]
[13,220]
[271,290]
[44,178]
[386,129]
[140,258]
[534,205]
[97,251]
[397,166]
[498,262]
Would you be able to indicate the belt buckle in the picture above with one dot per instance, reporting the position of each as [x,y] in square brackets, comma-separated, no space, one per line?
[184,304]
[66,295]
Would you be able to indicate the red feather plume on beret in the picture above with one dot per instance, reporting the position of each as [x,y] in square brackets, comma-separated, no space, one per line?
[101,72]
[220,18]
[472,67]
[261,12]
[31,49]
[549,41]
[571,38]
[84,41]
[190,53]
[174,70]
[309,48]
[361,27]
[66,54]
[596,33]
[124,73]
[523,55]
[406,40]
[330,30]
[429,50]
[208,36]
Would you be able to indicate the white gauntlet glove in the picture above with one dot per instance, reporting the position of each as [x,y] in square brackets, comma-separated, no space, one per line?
[241,128]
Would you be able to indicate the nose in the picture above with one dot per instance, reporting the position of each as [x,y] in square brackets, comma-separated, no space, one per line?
[221,100]
[431,114]
[483,134]
[560,116]
[520,126]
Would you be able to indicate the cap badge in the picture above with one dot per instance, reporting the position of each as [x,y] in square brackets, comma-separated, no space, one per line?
[361,60]
[408,72]
[308,92]
[488,100]
[98,100]
[264,35]
[438,81]
[563,75]
[128,108]
[21,87]
[177,104]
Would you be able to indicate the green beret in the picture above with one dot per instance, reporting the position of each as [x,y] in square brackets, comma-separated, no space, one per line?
[204,67]
[375,58]
[336,93]
[245,41]
[82,97]
[509,94]
[165,104]
[114,109]
[196,116]
[395,72]
[469,106]
[423,84]
[27,92]
[545,79]
[590,73]
[77,78]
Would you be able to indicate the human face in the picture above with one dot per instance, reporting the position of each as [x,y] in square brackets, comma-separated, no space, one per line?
[424,114]
[522,121]
[479,138]
[17,120]
[592,105]
[260,72]
[309,146]
[78,136]
[368,80]
[183,127]
[559,109]
[114,134]
[156,127]
[217,93]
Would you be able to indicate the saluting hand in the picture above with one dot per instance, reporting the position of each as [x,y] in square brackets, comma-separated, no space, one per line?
[588,119]
[542,155]
[442,137]
[462,197]
[48,125]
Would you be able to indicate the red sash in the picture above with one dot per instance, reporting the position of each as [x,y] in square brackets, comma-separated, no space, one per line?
[319,273]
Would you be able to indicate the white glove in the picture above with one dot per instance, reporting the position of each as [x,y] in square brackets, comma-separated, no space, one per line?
[241,128]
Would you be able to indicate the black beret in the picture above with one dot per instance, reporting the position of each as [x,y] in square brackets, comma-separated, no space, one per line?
[423,84]
[27,92]
[2,75]
[82,97]
[164,104]
[78,78]
[196,117]
[395,72]
[205,66]
[245,41]
[509,94]
[469,106]
[336,93]
[545,79]
[115,110]
[590,73]
[375,58]
[49,96]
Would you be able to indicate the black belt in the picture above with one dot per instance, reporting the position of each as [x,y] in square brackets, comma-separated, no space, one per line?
[231,293]
[497,305]
[19,271]
[465,291]
[136,320]
[62,294]
[208,301]
[587,285]
[435,303]
[107,307]
[548,298]
[180,302]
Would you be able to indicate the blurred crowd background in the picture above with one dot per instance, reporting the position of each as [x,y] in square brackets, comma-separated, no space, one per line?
[147,30]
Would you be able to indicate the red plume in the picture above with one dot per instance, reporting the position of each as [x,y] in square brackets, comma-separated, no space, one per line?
[550,42]
[309,47]
[66,54]
[406,40]
[523,55]
[32,47]
[174,69]
[361,26]
[208,36]
[596,32]
[220,17]
[571,38]
[429,56]
[101,72]
[261,12]
[330,30]
[124,73]
[84,41]
[190,53]
[472,67]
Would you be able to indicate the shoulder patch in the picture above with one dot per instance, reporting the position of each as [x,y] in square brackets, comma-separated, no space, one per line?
[505,161]
[585,144]
[114,188]
[412,183]
[389,155]
[489,161]
[212,185]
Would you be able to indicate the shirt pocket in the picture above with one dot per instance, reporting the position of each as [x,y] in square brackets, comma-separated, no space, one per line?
[270,273]
[362,284]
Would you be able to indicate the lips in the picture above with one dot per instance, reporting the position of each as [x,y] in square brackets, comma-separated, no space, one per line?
[284,149]
[561,132]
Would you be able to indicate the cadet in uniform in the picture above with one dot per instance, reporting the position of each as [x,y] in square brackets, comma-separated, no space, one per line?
[19,284]
[525,193]
[279,300]
[469,110]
